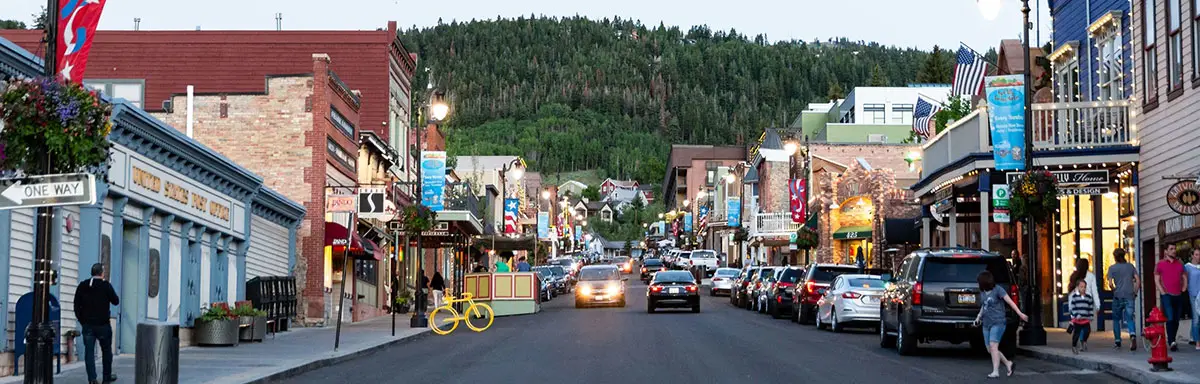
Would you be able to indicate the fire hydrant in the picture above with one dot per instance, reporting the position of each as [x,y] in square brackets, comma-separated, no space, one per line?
[1156,334]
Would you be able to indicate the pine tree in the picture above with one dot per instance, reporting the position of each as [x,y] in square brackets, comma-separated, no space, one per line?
[835,91]
[878,78]
[937,67]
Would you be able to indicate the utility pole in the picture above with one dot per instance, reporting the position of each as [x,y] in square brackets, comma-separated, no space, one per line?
[39,337]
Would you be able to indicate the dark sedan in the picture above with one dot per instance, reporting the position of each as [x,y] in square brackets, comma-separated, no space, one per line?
[650,267]
[673,289]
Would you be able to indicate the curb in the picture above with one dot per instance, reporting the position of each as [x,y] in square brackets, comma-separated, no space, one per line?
[1123,371]
[331,361]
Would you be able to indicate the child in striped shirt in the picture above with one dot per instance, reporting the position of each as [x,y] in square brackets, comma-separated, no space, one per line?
[1081,305]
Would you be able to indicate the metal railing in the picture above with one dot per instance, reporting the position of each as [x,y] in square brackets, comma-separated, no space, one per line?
[773,223]
[1086,124]
[461,197]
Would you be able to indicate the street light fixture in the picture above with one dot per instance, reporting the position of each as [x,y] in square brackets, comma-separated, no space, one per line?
[730,178]
[517,167]
[546,194]
[989,8]
[791,146]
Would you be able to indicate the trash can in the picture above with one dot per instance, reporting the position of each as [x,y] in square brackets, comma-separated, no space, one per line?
[157,353]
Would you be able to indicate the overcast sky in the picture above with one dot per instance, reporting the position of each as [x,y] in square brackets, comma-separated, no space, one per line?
[919,23]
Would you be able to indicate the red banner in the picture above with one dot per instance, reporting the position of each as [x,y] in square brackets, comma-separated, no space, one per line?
[77,21]
[799,199]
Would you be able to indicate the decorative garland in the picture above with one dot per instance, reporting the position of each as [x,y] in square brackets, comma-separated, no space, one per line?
[47,117]
[1034,195]
[416,218]
[807,238]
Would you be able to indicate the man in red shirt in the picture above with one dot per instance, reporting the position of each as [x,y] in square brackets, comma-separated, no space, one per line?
[1172,283]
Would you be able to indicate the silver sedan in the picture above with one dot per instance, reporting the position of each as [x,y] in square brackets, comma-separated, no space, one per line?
[722,281]
[850,300]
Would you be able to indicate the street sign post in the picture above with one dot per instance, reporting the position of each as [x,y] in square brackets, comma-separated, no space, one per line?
[48,191]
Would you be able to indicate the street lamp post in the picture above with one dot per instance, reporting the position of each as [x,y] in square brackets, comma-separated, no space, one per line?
[437,110]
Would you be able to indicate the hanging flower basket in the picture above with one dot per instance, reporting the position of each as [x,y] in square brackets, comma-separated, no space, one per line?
[416,218]
[807,238]
[1034,195]
[65,121]
[741,234]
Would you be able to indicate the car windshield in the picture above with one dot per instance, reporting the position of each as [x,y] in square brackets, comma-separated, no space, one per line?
[562,262]
[827,274]
[704,255]
[965,270]
[598,274]
[766,272]
[652,263]
[685,255]
[791,275]
[866,283]
[674,277]
[727,272]
[558,271]
[622,259]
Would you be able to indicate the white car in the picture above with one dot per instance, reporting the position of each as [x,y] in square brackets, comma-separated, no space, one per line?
[850,299]
[722,281]
[706,258]
[682,260]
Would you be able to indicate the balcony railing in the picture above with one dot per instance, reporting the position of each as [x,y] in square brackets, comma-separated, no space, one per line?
[773,223]
[1087,124]
[461,197]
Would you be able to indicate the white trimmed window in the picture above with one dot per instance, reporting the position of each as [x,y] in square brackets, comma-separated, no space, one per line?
[132,90]
[1111,76]
[1066,81]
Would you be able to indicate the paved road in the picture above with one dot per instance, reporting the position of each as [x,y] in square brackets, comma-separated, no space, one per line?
[720,344]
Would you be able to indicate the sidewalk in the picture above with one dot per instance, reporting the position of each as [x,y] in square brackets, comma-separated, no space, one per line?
[288,354]
[1101,356]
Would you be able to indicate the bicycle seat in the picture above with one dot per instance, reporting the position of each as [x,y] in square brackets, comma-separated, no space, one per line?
[467,296]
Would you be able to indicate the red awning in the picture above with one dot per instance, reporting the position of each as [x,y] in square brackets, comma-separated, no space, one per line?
[362,249]
[372,252]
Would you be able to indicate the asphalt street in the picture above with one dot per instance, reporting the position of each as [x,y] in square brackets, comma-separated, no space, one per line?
[720,344]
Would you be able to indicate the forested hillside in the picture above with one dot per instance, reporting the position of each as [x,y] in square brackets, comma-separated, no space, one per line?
[573,93]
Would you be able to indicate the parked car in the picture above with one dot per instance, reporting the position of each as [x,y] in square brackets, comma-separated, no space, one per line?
[756,286]
[600,284]
[812,288]
[850,300]
[682,260]
[722,281]
[706,258]
[562,280]
[761,294]
[741,288]
[650,267]
[673,289]
[547,285]
[935,296]
[781,291]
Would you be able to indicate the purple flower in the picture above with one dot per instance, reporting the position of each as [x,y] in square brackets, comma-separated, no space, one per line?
[67,112]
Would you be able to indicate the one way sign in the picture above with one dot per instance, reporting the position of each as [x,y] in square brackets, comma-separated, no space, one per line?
[49,190]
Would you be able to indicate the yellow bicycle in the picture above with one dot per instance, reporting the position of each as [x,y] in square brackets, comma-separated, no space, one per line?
[445,319]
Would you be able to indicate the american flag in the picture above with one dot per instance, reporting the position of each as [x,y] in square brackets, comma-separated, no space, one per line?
[968,73]
[511,207]
[923,116]
[703,219]
[799,197]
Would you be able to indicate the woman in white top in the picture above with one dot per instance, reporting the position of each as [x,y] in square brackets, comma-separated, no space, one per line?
[1082,272]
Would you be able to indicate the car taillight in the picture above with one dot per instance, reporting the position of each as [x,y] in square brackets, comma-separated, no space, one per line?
[808,287]
[716,279]
[656,288]
[1014,292]
[758,285]
[916,294]
[785,285]
[851,295]
[643,269]
[660,269]
[691,288]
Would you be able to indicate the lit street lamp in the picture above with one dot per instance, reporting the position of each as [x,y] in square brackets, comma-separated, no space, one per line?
[438,110]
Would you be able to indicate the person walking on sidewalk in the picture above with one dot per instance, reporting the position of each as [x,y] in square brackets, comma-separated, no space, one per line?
[92,300]
[1083,273]
[1171,282]
[438,286]
[1122,277]
[1193,274]
[1082,306]
[992,320]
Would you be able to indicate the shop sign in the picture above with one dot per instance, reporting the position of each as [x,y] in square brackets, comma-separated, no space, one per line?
[1184,198]
[1072,191]
[792,237]
[164,186]
[340,203]
[1088,177]
[1000,194]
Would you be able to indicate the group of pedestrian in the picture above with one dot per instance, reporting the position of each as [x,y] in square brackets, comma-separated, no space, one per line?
[1172,277]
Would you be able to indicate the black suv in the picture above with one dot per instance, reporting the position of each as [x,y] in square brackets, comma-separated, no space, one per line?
[812,287]
[935,296]
[779,298]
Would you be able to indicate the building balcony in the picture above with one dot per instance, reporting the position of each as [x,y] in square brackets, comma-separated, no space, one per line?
[772,224]
[1081,125]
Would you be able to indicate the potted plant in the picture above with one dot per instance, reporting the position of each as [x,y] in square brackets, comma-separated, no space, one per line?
[252,322]
[403,297]
[217,326]
[806,238]
[1034,195]
[70,336]
[416,218]
[46,116]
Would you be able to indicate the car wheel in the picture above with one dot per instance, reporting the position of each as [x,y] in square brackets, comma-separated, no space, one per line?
[649,307]
[578,304]
[622,303]
[696,309]
[712,292]
[806,315]
[905,344]
[775,312]
[833,321]
[817,319]
[885,340]
[793,314]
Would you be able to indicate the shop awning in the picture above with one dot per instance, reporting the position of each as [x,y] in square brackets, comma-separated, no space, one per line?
[371,251]
[849,233]
[336,236]
[811,223]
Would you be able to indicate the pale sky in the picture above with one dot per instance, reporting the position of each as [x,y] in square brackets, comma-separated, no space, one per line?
[919,23]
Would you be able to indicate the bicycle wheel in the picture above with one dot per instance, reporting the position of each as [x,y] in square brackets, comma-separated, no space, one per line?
[443,320]
[479,317]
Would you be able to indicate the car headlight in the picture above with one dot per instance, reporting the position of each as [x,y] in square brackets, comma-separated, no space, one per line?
[613,287]
[585,290]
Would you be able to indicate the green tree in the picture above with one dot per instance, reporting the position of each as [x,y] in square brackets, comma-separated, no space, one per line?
[40,20]
[12,24]
[628,249]
[956,108]
[937,68]
[835,91]
[591,193]
[878,78]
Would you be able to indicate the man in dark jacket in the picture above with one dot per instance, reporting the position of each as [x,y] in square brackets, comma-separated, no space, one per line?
[92,300]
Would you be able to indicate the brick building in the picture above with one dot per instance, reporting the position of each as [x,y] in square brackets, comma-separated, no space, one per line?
[300,131]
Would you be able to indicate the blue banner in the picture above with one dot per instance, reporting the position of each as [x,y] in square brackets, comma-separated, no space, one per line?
[578,232]
[433,179]
[687,222]
[543,225]
[1006,112]
[733,212]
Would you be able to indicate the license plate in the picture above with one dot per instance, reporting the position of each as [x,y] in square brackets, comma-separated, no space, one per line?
[600,298]
[872,299]
[966,298]
[674,290]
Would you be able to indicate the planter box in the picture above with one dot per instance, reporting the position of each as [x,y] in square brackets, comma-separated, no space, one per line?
[221,332]
[252,328]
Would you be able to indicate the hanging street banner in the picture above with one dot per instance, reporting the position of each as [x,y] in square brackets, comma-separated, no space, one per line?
[511,207]
[578,232]
[733,212]
[703,225]
[48,191]
[1000,196]
[1006,112]
[687,222]
[543,223]
[433,180]
[77,23]
[798,189]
